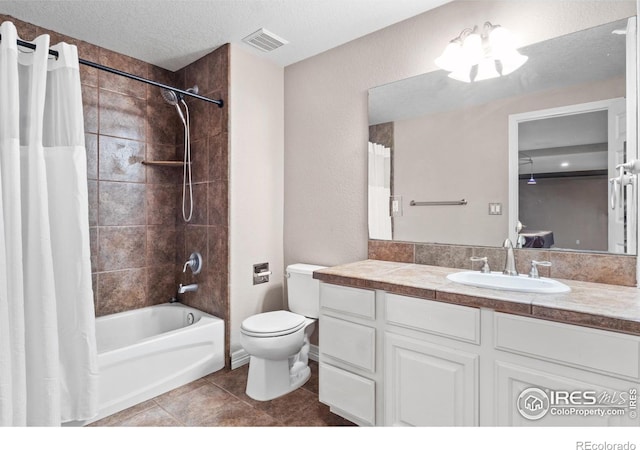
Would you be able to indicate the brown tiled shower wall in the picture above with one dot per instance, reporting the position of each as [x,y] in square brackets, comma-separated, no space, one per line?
[580,266]
[139,241]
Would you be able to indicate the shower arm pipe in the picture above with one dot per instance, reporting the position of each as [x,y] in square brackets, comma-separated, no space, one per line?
[220,103]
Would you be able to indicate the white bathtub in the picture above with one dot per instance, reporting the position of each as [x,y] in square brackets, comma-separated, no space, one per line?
[145,352]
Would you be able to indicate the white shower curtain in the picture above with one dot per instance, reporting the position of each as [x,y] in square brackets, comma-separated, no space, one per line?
[379,191]
[48,360]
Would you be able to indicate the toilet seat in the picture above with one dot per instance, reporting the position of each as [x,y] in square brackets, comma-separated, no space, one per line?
[272,324]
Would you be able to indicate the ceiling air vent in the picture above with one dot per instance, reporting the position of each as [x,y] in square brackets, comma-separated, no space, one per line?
[264,40]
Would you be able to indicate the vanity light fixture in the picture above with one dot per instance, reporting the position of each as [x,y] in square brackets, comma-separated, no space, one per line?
[476,56]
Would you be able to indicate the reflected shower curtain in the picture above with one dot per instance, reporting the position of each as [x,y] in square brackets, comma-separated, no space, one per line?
[379,191]
[48,360]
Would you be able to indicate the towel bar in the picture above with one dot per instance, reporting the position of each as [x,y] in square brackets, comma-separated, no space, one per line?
[445,203]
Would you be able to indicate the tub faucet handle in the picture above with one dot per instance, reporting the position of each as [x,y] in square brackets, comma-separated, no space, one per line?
[194,263]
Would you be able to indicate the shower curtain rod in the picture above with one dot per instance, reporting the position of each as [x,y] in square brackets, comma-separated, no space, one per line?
[220,103]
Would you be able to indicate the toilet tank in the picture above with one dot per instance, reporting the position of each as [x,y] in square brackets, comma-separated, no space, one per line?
[303,291]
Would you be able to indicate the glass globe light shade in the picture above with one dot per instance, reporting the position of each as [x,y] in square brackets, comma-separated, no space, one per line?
[501,42]
[463,73]
[451,57]
[472,49]
[512,62]
[487,69]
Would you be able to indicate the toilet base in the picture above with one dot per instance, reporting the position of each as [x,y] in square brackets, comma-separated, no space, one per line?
[269,379]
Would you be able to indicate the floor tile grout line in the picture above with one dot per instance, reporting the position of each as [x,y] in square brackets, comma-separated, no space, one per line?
[238,398]
[182,423]
[278,420]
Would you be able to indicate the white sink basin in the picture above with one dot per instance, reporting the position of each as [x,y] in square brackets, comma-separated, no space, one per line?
[520,283]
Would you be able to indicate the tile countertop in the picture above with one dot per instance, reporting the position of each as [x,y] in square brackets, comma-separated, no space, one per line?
[604,306]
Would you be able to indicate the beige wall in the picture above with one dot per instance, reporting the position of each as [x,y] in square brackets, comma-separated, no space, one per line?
[325,161]
[434,161]
[255,185]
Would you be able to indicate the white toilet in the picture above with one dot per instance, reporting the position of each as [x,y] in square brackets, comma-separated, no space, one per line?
[278,341]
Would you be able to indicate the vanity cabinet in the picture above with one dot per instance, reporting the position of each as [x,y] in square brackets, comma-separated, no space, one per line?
[349,365]
[596,370]
[388,359]
[431,363]
[428,384]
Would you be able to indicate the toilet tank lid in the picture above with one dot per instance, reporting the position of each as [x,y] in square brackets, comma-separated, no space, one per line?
[303,268]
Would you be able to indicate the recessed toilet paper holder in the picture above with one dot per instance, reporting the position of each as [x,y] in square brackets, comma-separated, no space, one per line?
[261,273]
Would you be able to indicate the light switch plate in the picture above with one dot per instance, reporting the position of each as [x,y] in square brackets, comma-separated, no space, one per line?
[396,205]
[495,209]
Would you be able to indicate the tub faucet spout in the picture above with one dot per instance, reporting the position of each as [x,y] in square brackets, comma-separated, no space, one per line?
[187,288]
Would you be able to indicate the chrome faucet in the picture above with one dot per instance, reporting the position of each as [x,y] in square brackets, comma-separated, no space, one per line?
[187,288]
[510,261]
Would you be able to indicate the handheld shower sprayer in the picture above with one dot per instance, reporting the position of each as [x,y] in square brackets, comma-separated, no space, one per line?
[173,98]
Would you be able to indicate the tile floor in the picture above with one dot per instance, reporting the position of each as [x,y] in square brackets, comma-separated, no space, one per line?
[218,400]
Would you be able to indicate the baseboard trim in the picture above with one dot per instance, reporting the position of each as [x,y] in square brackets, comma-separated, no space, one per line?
[240,357]
[314,353]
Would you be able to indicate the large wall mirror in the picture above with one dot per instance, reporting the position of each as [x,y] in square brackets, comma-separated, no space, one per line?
[463,163]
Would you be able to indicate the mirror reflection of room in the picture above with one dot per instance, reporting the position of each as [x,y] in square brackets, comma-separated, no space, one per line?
[563,181]
[450,140]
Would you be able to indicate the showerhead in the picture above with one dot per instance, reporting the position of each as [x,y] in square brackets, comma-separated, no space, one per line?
[170,97]
[173,98]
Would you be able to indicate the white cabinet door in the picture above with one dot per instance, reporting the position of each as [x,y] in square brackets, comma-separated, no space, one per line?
[428,384]
[524,396]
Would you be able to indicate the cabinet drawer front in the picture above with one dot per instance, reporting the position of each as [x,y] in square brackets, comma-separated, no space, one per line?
[348,392]
[354,301]
[349,342]
[458,322]
[598,350]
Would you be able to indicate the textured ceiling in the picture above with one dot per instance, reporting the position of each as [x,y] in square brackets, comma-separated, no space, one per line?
[174,33]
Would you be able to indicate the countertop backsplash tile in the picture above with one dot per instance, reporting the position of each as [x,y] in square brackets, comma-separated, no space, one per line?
[581,266]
